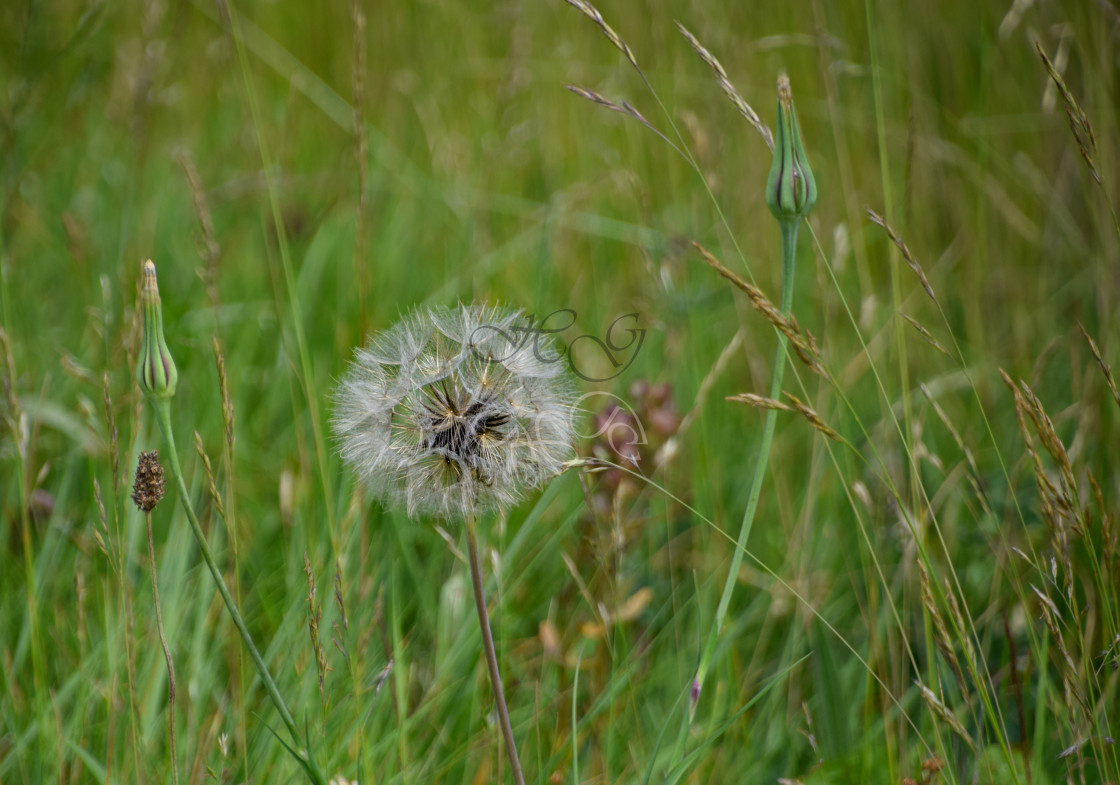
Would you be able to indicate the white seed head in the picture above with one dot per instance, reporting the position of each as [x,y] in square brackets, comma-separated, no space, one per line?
[453,412]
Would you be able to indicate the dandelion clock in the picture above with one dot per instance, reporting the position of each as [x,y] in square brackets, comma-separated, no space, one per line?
[453,413]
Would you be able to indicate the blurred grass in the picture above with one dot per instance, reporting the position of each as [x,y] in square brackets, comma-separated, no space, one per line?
[485,179]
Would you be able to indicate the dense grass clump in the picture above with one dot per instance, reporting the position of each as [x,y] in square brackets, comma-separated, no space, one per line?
[929,591]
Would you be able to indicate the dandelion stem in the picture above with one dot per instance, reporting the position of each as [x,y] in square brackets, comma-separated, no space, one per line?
[789,228]
[488,648]
[166,656]
[163,416]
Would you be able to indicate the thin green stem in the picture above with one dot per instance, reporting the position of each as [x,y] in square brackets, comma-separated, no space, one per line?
[491,656]
[166,655]
[789,248]
[163,416]
[21,440]
[38,662]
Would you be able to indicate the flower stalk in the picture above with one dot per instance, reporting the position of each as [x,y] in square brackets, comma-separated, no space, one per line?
[147,490]
[157,377]
[791,192]
[452,413]
[491,655]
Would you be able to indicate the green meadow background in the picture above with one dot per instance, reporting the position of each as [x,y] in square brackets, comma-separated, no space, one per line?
[931,597]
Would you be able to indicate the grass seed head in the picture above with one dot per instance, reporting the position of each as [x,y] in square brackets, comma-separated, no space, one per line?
[455,411]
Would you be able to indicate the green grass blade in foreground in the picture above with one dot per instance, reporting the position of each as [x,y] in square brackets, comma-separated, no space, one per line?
[575,721]
[661,735]
[990,706]
[304,757]
[793,592]
[680,769]
[306,375]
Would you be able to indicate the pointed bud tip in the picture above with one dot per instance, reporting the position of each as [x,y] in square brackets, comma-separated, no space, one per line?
[785,95]
[150,285]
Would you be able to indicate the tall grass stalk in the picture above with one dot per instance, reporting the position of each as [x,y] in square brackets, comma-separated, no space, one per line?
[171,742]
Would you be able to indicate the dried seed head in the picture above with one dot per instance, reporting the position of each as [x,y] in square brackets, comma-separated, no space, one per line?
[148,487]
[453,412]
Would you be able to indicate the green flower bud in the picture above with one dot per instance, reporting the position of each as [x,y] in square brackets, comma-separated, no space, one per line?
[155,372]
[791,190]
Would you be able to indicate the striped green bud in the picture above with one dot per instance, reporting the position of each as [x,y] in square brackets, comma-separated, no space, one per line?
[791,190]
[155,371]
